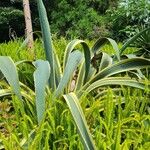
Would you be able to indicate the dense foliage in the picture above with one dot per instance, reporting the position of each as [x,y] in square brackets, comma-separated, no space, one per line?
[118,19]
[104,118]
[71,19]
[129,17]
[11,23]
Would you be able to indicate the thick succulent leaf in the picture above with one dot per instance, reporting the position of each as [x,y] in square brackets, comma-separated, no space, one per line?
[71,46]
[9,71]
[80,77]
[78,116]
[99,44]
[41,76]
[58,71]
[116,81]
[102,41]
[139,73]
[125,65]
[105,61]
[47,41]
[132,40]
[73,61]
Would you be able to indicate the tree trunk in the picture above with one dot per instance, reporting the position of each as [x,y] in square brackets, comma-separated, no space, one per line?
[28,24]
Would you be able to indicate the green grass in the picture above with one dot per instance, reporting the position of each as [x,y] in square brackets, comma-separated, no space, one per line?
[14,50]
[115,122]
[122,126]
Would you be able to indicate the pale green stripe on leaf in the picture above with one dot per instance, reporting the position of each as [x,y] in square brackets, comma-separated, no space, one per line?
[116,81]
[125,65]
[78,116]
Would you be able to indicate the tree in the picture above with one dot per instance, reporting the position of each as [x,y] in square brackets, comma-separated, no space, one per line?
[28,24]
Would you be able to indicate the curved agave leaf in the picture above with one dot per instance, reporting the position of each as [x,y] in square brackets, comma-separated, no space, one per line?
[70,47]
[80,77]
[125,65]
[9,70]
[139,73]
[132,40]
[41,76]
[105,61]
[47,41]
[116,81]
[102,41]
[58,71]
[73,61]
[77,113]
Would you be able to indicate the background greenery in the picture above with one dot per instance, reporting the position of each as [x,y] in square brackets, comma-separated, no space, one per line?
[118,19]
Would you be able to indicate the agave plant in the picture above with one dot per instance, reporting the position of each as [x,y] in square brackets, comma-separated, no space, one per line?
[79,74]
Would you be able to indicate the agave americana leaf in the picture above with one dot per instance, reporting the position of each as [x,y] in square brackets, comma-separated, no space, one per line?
[9,70]
[132,40]
[122,66]
[47,41]
[125,65]
[105,61]
[87,55]
[116,81]
[58,71]
[78,115]
[102,41]
[80,77]
[41,76]
[73,61]
[139,73]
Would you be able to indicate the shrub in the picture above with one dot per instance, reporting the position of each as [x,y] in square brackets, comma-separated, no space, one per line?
[74,17]
[126,19]
[71,19]
[11,23]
